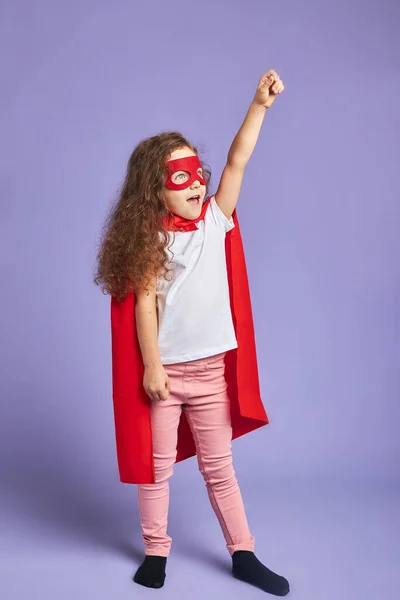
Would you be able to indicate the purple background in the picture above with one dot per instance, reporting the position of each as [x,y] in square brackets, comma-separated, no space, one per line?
[82,82]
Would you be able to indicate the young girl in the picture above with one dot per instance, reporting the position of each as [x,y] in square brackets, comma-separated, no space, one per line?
[185,378]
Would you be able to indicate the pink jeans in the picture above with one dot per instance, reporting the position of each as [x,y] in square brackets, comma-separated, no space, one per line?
[199,388]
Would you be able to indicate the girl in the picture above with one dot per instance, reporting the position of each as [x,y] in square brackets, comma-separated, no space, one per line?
[185,377]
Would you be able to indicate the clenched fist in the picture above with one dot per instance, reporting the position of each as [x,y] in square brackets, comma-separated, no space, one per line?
[268,89]
[156,383]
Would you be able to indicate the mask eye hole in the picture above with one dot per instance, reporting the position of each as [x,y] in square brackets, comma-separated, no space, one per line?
[180,177]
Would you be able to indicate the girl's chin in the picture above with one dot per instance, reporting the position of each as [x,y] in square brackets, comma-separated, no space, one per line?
[195,212]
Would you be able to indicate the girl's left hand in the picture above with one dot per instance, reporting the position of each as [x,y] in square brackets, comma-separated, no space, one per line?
[268,88]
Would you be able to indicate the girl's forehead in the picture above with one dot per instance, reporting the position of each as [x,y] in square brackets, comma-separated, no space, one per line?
[181,153]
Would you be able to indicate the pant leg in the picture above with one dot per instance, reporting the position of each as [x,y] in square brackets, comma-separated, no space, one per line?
[153,499]
[208,412]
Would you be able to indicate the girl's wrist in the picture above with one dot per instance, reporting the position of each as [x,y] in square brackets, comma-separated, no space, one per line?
[153,364]
[258,107]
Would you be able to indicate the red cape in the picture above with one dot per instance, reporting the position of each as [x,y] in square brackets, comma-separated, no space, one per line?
[131,403]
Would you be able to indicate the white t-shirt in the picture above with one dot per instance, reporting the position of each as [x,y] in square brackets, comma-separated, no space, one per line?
[194,312]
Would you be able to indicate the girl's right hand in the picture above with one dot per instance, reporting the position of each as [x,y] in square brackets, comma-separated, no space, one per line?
[156,383]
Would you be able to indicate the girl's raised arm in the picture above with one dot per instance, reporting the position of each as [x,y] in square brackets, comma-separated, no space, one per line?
[244,143]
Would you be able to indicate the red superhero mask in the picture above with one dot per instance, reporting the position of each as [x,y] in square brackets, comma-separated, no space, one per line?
[190,165]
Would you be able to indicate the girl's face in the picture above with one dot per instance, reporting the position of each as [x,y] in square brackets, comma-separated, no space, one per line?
[182,202]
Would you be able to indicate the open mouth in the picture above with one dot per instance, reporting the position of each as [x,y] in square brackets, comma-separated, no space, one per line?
[194,199]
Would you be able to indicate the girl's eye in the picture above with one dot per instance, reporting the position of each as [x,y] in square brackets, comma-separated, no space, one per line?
[180,176]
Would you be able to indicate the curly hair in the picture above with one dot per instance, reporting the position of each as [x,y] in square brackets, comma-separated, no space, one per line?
[134,240]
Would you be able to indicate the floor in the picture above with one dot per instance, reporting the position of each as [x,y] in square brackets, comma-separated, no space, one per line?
[332,539]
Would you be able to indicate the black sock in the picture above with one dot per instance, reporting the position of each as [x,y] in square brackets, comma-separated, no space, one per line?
[247,567]
[151,572]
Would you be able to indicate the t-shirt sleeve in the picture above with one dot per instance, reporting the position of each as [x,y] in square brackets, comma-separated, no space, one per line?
[218,216]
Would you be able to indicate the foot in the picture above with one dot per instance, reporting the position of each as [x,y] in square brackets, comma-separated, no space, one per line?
[151,572]
[247,567]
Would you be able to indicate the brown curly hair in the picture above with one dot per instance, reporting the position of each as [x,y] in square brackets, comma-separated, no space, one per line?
[131,249]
